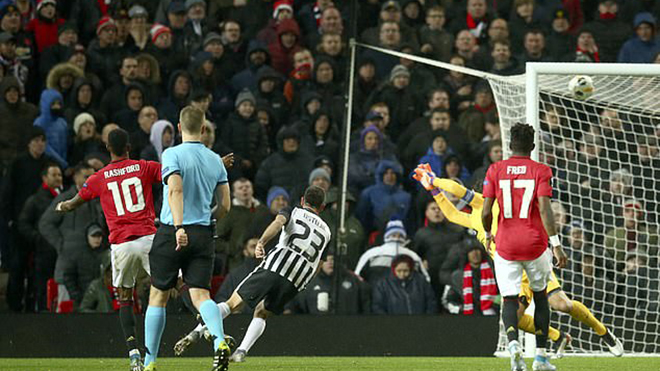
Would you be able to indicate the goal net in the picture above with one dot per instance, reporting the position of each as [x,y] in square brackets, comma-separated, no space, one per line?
[605,156]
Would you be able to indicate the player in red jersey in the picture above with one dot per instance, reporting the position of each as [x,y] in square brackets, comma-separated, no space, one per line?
[124,187]
[522,189]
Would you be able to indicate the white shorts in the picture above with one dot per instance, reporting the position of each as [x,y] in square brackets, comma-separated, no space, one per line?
[509,273]
[128,259]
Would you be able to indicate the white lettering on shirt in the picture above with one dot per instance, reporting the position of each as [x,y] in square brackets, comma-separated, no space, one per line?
[516,170]
[121,171]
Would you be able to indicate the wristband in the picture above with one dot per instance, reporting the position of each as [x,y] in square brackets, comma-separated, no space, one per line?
[554,241]
[488,235]
[177,227]
[435,191]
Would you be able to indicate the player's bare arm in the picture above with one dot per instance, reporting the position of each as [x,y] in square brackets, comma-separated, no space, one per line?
[70,205]
[270,232]
[551,229]
[175,200]
[487,220]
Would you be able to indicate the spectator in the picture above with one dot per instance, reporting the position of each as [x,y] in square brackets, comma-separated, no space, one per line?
[403,291]
[466,46]
[287,167]
[28,224]
[413,13]
[52,122]
[77,261]
[390,11]
[389,37]
[148,74]
[439,121]
[113,99]
[179,90]
[354,295]
[474,19]
[560,38]
[67,38]
[460,85]
[376,263]
[61,78]
[196,26]
[643,47]
[399,94]
[86,140]
[232,230]
[503,63]
[473,119]
[638,287]
[285,46]
[11,64]
[161,137]
[176,19]
[300,80]
[332,47]
[354,236]
[437,98]
[282,9]
[494,154]
[138,30]
[16,118]
[256,57]
[476,286]
[609,31]
[321,137]
[362,167]
[330,22]
[100,296]
[534,48]
[269,93]
[436,42]
[633,235]
[586,50]
[243,133]
[522,20]
[84,99]
[45,25]
[136,98]
[434,240]
[278,198]
[103,53]
[140,138]
[238,273]
[162,48]
[310,14]
[437,153]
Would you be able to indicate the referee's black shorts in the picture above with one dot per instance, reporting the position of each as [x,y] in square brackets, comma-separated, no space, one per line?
[195,259]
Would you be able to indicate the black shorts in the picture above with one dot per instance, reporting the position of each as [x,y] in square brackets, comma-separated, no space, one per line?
[195,260]
[262,284]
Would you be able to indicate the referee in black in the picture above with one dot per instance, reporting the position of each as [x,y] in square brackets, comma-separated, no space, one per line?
[192,174]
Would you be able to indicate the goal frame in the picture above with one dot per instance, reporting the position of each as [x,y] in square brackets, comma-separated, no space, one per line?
[534,69]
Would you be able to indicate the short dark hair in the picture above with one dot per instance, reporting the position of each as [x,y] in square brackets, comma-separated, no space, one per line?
[44,170]
[314,196]
[118,142]
[522,138]
[81,167]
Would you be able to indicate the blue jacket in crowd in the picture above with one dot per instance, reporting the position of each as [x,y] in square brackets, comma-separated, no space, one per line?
[55,127]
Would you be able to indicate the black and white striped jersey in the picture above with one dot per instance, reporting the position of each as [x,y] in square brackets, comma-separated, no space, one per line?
[298,252]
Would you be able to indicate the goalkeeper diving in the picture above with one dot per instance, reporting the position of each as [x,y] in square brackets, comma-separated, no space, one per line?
[557,298]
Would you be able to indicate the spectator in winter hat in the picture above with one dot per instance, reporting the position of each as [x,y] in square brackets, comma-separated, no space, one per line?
[86,141]
[285,46]
[103,54]
[52,122]
[282,9]
[45,25]
[137,28]
[67,37]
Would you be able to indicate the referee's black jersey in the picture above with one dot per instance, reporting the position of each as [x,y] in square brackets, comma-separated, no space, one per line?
[302,244]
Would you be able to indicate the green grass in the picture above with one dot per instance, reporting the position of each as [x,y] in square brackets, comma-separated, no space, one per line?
[330,363]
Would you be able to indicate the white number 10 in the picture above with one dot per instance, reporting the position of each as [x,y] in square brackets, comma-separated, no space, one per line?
[528,185]
[128,200]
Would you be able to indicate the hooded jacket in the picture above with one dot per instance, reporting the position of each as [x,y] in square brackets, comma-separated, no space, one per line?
[127,118]
[637,51]
[275,99]
[247,78]
[74,108]
[281,57]
[154,152]
[15,121]
[380,202]
[169,107]
[55,127]
[412,295]
[363,164]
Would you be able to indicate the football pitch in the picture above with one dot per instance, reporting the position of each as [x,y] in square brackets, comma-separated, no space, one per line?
[330,363]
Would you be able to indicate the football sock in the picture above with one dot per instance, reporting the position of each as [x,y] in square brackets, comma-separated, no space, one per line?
[211,315]
[127,321]
[224,310]
[526,323]
[510,317]
[154,324]
[581,313]
[541,318]
[254,331]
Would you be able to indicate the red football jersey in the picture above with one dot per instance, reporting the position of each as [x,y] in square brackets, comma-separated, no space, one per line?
[126,198]
[517,183]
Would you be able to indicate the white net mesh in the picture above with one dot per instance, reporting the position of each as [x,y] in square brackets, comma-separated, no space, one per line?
[605,155]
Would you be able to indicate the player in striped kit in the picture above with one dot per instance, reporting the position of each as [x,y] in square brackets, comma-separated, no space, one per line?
[285,271]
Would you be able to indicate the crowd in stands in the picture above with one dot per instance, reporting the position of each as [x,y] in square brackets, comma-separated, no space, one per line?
[271,77]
